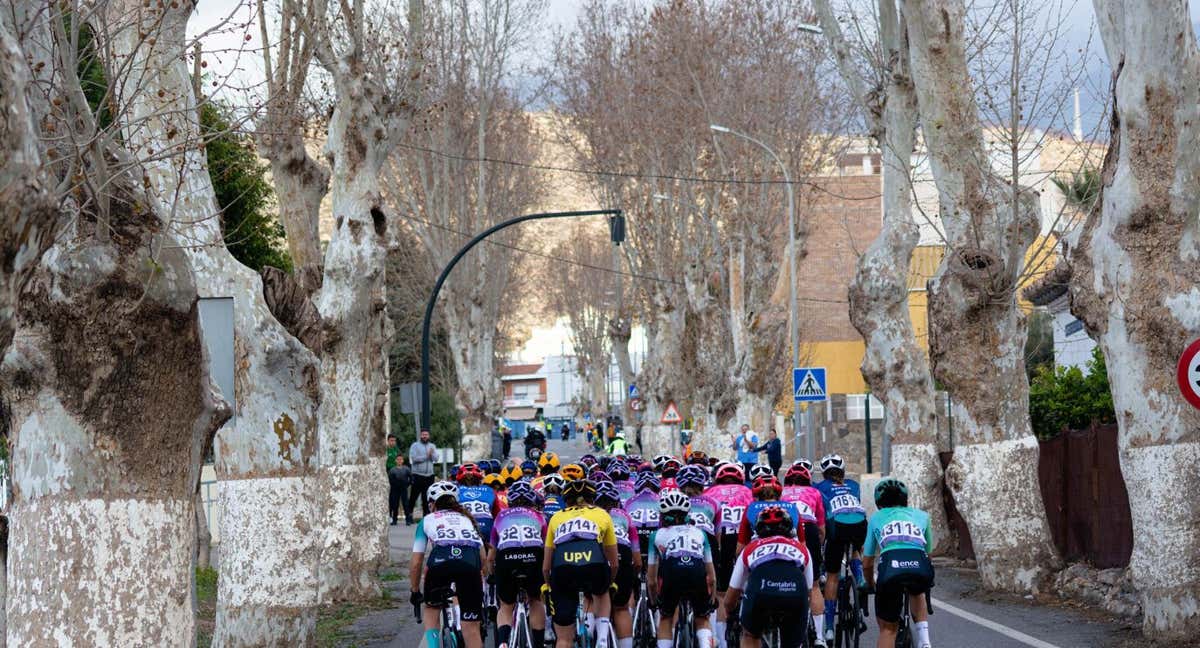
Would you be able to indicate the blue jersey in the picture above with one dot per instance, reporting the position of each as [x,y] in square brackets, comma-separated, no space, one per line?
[480,502]
[756,507]
[843,502]
[553,505]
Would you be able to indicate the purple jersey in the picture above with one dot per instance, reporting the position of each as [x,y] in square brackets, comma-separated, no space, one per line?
[518,528]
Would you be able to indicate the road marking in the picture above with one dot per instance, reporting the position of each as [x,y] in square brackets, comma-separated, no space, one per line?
[939,605]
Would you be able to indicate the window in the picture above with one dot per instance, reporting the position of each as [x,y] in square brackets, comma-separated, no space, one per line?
[856,407]
[525,391]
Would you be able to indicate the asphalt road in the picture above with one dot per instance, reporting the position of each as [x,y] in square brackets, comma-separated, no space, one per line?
[964,616]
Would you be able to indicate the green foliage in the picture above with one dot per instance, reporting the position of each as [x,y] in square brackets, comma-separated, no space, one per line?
[1039,344]
[445,431]
[1067,398]
[252,233]
[1082,189]
[206,584]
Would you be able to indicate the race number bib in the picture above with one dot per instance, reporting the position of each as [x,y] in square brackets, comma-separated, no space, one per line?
[805,511]
[646,517]
[774,551]
[684,546]
[845,503]
[478,508]
[520,536]
[578,528]
[622,533]
[901,531]
[700,521]
[731,517]
[455,530]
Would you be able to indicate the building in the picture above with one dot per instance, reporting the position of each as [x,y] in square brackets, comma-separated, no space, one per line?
[1072,345]
[525,388]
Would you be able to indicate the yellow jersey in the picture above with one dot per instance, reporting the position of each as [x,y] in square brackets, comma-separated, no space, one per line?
[581,523]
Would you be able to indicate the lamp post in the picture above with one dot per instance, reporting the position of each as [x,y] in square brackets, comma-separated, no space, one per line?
[616,229]
[793,323]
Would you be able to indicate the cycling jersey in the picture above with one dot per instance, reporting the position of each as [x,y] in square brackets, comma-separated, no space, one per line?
[732,500]
[482,504]
[898,527]
[780,552]
[445,529]
[552,505]
[518,528]
[643,510]
[808,501]
[746,532]
[681,553]
[704,513]
[625,490]
[624,529]
[775,575]
[668,483]
[578,533]
[843,502]
[682,544]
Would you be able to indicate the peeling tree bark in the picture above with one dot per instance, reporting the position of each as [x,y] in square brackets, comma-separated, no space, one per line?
[894,365]
[267,592]
[977,331]
[1137,287]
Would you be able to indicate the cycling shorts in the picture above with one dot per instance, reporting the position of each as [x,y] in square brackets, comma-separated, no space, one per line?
[900,571]
[774,593]
[466,581]
[626,577]
[567,583]
[678,582]
[812,540]
[837,537]
[519,569]
[726,555]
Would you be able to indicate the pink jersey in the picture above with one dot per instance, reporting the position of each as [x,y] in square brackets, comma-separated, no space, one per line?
[668,483]
[732,500]
[808,501]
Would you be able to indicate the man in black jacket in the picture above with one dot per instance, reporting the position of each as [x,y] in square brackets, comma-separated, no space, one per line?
[774,449]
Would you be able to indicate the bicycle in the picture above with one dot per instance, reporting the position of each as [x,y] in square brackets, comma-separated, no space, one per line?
[904,635]
[490,610]
[773,636]
[522,634]
[450,632]
[684,635]
[849,624]
[644,635]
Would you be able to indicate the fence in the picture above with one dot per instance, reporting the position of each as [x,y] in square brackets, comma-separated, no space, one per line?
[1079,473]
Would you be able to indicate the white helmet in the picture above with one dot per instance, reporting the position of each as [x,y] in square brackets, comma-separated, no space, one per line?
[759,470]
[554,480]
[440,489]
[660,461]
[832,462]
[673,501]
[620,435]
[803,462]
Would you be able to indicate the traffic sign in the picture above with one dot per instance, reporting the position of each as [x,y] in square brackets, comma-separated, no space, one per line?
[808,384]
[1188,374]
[671,416]
[633,392]
[635,404]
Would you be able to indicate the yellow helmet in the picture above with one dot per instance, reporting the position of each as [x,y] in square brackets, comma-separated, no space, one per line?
[494,480]
[548,460]
[511,473]
[572,472]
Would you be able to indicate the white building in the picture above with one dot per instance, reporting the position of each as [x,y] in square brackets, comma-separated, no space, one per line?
[1072,346]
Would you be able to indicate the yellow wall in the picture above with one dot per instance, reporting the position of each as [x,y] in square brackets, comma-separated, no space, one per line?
[841,360]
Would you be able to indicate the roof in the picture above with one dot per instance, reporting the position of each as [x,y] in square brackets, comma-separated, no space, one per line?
[1050,286]
[520,369]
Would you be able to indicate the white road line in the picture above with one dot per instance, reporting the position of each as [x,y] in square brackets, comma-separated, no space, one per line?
[939,606]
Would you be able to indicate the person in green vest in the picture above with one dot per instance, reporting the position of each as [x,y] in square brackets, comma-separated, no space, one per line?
[618,447]
[393,449]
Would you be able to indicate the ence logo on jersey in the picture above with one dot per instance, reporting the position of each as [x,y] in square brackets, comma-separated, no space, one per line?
[905,564]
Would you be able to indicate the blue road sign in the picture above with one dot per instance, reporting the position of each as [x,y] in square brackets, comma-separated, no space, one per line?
[808,384]
[633,392]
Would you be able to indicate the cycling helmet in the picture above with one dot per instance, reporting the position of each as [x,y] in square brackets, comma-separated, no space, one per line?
[605,461]
[511,474]
[670,467]
[618,471]
[469,473]
[674,502]
[647,481]
[522,494]
[730,473]
[833,462]
[764,484]
[797,476]
[529,468]
[645,467]
[548,462]
[598,475]
[774,521]
[580,489]
[554,480]
[691,475]
[572,472]
[633,461]
[660,461]
[698,458]
[439,489]
[587,460]
[490,466]
[493,480]
[890,492]
[607,495]
[758,471]
[803,462]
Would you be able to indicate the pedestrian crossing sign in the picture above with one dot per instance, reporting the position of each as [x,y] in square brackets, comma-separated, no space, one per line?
[808,384]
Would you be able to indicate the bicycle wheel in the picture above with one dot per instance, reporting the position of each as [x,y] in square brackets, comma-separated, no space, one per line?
[841,634]
[583,638]
[857,619]
[643,628]
[449,634]
[685,634]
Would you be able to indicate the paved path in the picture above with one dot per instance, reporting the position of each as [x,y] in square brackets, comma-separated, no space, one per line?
[964,615]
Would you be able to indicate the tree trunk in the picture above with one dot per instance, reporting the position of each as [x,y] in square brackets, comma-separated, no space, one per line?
[1136,285]
[111,401]
[300,185]
[203,535]
[977,331]
[267,591]
[894,365]
[620,329]
[472,340]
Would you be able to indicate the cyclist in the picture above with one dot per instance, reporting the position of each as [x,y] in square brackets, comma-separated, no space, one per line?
[518,541]
[770,580]
[529,469]
[618,447]
[548,464]
[669,470]
[730,491]
[581,557]
[629,561]
[845,526]
[478,500]
[496,483]
[680,567]
[619,473]
[766,494]
[643,510]
[449,548]
[798,489]
[692,480]
[903,534]
[552,488]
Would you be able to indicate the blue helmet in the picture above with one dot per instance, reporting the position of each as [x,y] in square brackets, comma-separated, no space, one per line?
[606,493]
[618,471]
[647,481]
[522,493]
[692,475]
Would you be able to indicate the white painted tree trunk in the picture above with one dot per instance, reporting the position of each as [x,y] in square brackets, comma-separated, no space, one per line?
[1137,287]
[264,456]
[620,329]
[894,365]
[977,331]
[472,342]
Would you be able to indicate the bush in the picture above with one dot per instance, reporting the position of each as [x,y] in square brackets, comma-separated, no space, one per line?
[445,430]
[1067,398]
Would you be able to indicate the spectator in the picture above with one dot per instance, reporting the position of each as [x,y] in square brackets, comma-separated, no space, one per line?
[393,450]
[422,454]
[774,449]
[566,431]
[506,434]
[399,477]
[638,439]
[745,445]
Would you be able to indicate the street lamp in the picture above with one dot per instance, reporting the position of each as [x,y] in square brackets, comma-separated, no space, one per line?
[793,323]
